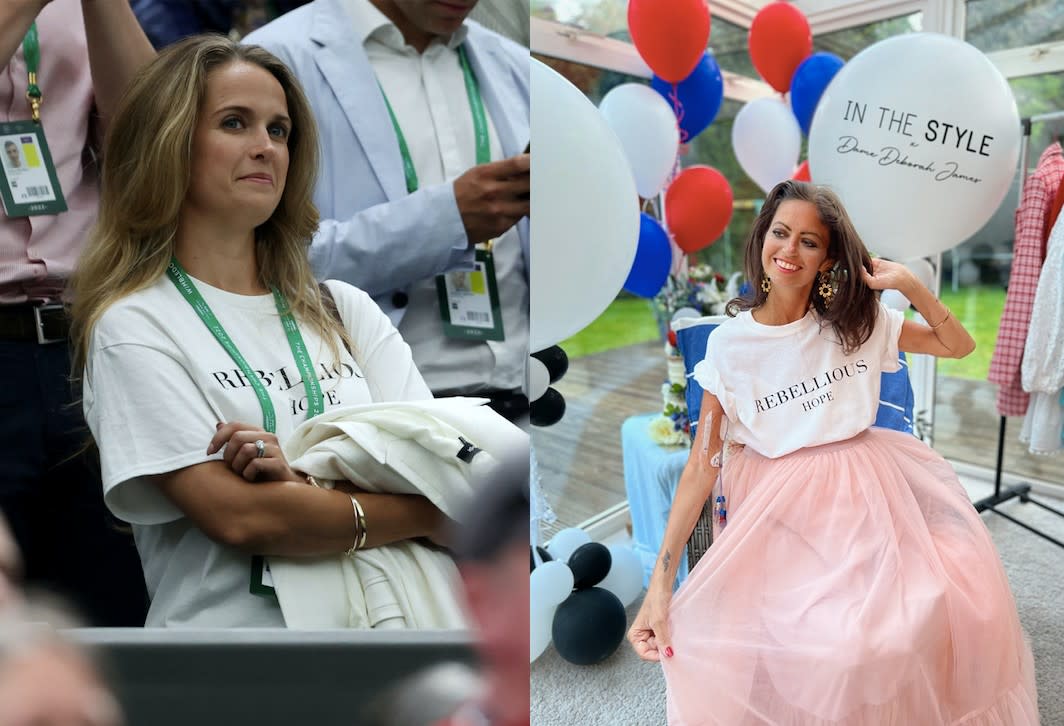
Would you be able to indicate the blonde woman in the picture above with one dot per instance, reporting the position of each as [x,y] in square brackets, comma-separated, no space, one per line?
[205,341]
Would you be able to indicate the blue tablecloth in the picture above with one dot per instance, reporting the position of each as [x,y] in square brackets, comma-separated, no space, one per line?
[651,473]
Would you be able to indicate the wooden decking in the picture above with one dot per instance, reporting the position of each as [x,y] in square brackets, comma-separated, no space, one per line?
[579,458]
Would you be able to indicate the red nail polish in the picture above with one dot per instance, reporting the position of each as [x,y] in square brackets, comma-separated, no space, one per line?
[668,651]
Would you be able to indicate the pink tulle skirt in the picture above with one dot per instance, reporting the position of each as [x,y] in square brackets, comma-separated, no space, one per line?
[853,584]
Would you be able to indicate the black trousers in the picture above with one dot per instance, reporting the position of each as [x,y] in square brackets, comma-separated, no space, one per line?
[51,495]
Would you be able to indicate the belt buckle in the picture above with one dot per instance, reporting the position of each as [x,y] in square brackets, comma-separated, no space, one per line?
[37,310]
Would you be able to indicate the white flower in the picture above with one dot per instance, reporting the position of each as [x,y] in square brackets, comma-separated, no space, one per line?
[663,432]
[700,272]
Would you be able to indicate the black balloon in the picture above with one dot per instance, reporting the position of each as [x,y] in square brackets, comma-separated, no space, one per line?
[556,361]
[548,409]
[589,626]
[590,563]
[544,556]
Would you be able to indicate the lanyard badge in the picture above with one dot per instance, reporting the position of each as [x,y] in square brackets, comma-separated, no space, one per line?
[30,185]
[261,582]
[469,300]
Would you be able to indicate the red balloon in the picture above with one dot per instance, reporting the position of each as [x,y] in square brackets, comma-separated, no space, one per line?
[802,172]
[670,35]
[698,207]
[780,40]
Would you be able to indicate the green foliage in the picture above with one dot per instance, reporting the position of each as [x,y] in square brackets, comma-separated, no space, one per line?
[627,321]
[979,308]
[1002,24]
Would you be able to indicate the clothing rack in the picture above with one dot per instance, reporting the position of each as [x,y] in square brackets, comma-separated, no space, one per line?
[1022,490]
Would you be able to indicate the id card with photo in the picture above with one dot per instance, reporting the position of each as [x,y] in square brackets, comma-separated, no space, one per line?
[30,186]
[469,301]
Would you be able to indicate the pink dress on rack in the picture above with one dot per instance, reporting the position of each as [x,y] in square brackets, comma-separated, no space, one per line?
[853,582]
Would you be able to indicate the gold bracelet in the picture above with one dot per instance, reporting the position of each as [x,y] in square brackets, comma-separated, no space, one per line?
[943,320]
[360,528]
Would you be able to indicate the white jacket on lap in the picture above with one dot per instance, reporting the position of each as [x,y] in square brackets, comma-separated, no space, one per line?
[408,447]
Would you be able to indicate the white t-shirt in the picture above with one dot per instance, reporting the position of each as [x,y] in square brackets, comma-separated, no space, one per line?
[157,382]
[785,387]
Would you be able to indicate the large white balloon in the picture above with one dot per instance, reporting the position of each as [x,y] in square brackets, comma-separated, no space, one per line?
[919,136]
[767,139]
[625,578]
[586,224]
[648,133]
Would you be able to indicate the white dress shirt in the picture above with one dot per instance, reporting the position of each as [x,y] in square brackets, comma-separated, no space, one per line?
[427,92]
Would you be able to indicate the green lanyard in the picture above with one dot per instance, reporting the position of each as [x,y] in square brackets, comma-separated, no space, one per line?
[31,49]
[480,124]
[315,404]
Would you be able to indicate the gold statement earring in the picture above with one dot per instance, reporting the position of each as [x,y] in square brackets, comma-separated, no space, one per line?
[766,283]
[826,291]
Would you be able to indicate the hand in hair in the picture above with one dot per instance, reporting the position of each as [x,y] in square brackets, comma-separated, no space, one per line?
[887,275]
[242,453]
[493,197]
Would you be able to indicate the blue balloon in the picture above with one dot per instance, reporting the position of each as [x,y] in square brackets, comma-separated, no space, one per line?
[697,97]
[808,84]
[653,259]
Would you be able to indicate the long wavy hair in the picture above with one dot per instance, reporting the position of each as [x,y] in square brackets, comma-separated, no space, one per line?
[146,174]
[853,309]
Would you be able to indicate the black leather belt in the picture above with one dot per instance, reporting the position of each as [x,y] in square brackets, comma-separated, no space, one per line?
[34,323]
[511,405]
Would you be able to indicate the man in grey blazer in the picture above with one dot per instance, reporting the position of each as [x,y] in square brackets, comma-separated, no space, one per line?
[424,188]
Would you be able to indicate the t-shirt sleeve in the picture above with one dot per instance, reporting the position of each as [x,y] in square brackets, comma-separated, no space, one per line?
[707,373]
[888,328]
[379,349]
[147,417]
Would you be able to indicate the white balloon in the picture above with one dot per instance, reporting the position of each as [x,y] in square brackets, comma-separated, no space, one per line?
[648,132]
[767,140]
[968,273]
[685,313]
[550,583]
[625,578]
[587,211]
[924,271]
[540,625]
[538,379]
[919,135]
[565,543]
[895,300]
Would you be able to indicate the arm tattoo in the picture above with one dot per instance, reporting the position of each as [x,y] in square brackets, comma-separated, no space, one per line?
[666,561]
[707,431]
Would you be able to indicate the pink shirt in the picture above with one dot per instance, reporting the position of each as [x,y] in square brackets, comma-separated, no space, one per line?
[37,254]
[1028,254]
